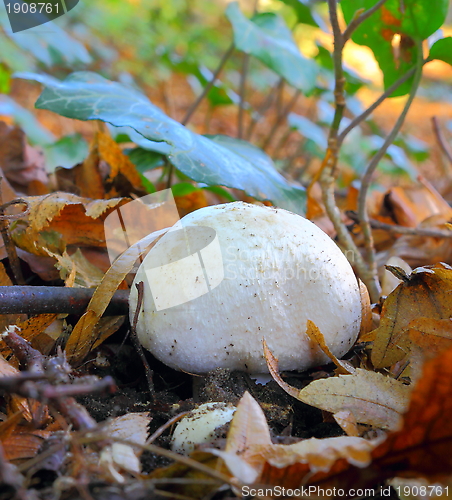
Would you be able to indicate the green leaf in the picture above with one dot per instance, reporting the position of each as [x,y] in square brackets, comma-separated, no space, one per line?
[183,188]
[144,159]
[50,46]
[237,164]
[219,94]
[268,38]
[221,192]
[34,131]
[442,50]
[147,184]
[417,20]
[66,152]
[303,12]
[309,130]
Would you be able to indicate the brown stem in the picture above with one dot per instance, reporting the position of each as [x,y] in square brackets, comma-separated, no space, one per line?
[4,229]
[445,148]
[280,119]
[258,114]
[242,92]
[327,174]
[394,228]
[367,177]
[136,342]
[209,85]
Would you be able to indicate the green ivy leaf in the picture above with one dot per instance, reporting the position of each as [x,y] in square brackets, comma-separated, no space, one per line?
[34,131]
[183,188]
[50,46]
[442,50]
[303,12]
[415,20]
[66,152]
[88,96]
[309,130]
[268,38]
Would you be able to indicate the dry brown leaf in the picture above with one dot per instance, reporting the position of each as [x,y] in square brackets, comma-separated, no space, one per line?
[87,176]
[85,274]
[347,422]
[8,426]
[111,153]
[272,364]
[30,329]
[189,480]
[24,444]
[191,202]
[61,219]
[366,310]
[7,319]
[413,205]
[84,335]
[372,398]
[317,337]
[118,457]
[251,444]
[432,335]
[427,293]
[423,445]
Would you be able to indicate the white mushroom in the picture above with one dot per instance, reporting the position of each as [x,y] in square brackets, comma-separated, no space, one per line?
[199,426]
[235,274]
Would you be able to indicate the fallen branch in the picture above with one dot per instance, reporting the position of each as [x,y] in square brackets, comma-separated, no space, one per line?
[394,228]
[56,299]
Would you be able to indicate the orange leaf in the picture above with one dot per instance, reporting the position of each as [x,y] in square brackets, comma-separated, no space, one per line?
[426,293]
[61,219]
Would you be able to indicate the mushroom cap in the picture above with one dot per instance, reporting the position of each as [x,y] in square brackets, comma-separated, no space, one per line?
[248,272]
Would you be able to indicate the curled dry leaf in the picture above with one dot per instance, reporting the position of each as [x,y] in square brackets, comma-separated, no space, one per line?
[371,397]
[347,422]
[61,219]
[85,335]
[316,336]
[427,293]
[30,329]
[86,275]
[422,446]
[23,444]
[119,457]
[433,336]
[249,439]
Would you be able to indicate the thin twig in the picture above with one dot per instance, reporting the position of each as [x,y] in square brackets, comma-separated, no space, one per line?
[445,148]
[395,228]
[263,108]
[165,426]
[354,23]
[136,342]
[242,91]
[280,119]
[209,85]
[327,173]
[367,178]
[10,247]
[360,118]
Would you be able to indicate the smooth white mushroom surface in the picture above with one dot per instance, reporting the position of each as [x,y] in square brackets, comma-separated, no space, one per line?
[239,273]
[199,426]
